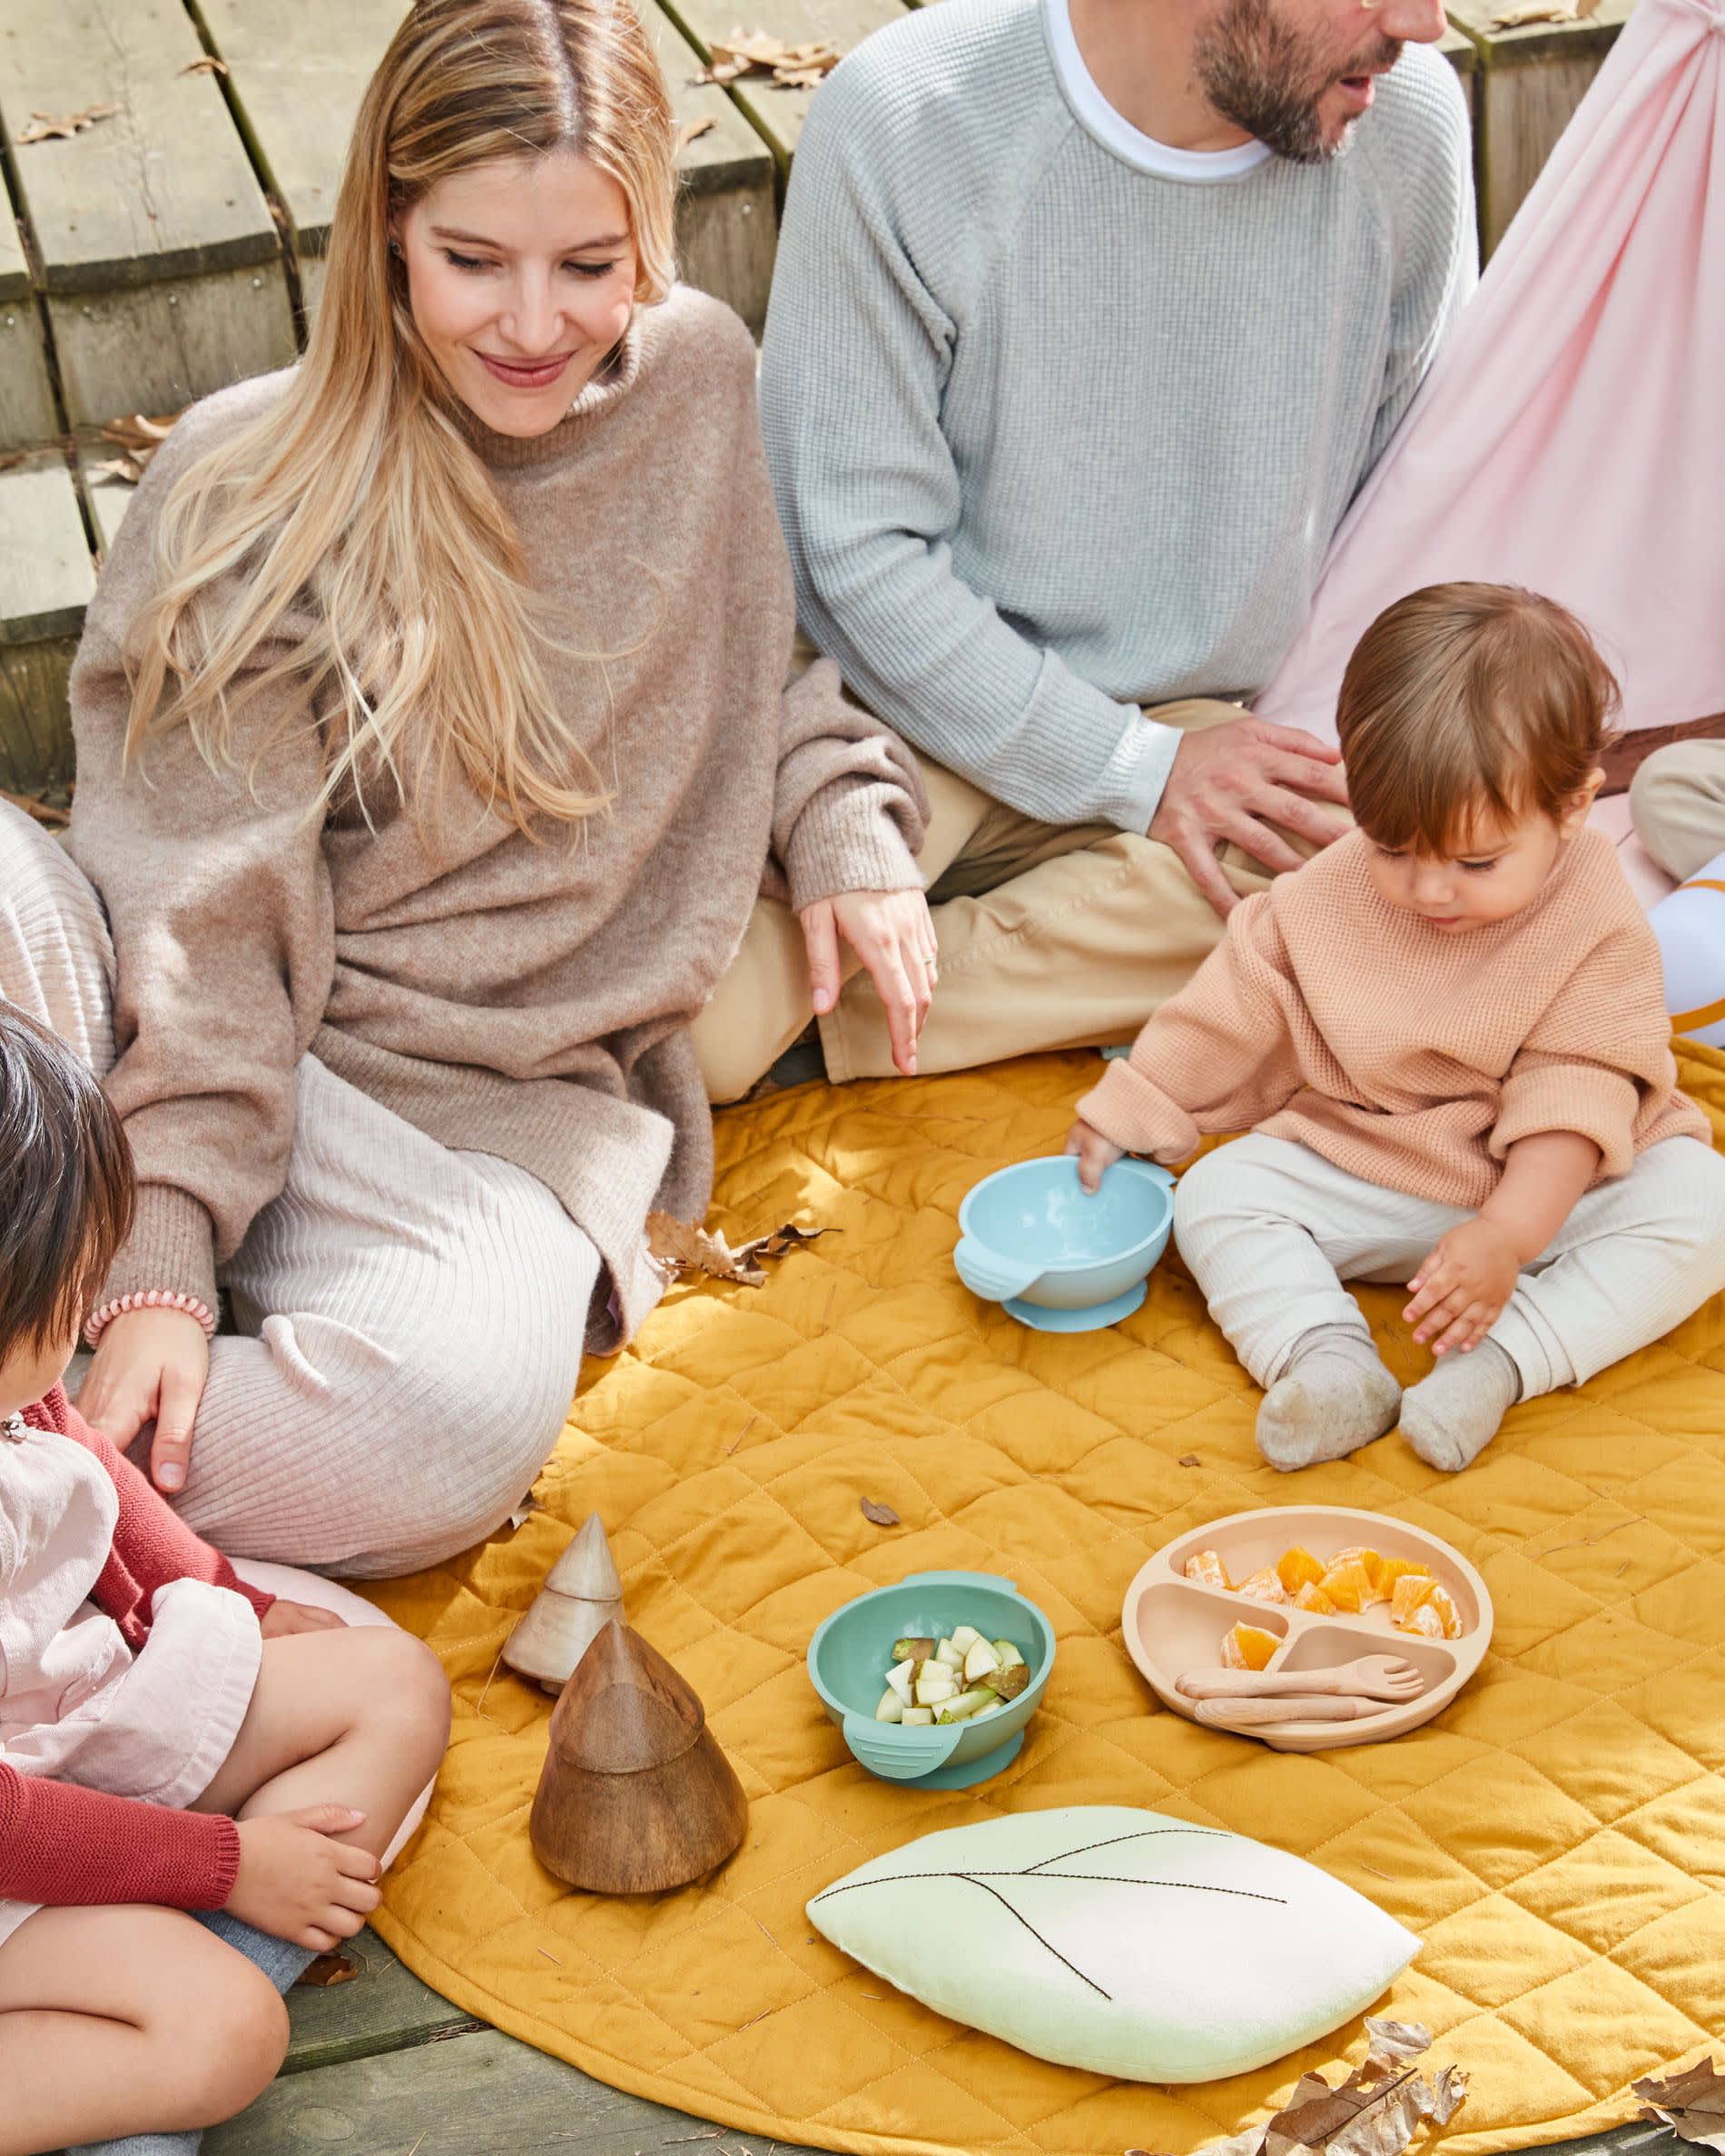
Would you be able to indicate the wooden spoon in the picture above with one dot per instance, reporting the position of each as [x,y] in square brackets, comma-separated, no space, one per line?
[1241,1714]
[1372,1677]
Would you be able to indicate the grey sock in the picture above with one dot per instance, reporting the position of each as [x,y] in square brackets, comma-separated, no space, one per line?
[1334,1397]
[1450,1417]
[281,1961]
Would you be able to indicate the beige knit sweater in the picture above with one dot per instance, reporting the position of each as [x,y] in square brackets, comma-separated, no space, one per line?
[1412,1058]
[528,1001]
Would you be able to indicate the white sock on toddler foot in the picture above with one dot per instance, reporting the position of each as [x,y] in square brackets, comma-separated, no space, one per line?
[1334,1397]
[1450,1417]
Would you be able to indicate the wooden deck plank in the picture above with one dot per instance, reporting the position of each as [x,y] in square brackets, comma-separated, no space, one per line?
[157,254]
[46,580]
[778,113]
[385,2008]
[1527,83]
[26,397]
[480,2095]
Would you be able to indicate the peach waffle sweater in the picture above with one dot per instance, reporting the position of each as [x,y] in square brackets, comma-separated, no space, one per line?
[1410,1057]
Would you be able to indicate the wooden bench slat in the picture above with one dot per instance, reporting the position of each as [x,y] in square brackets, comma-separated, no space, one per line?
[46,580]
[27,396]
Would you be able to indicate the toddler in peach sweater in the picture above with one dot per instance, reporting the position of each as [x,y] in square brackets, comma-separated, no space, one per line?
[1447,1036]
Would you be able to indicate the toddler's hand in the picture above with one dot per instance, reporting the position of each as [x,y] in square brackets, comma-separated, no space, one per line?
[283,1618]
[1095,1153]
[1460,1291]
[297,1882]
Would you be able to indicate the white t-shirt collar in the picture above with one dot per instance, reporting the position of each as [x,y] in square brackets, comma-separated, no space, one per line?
[1142,152]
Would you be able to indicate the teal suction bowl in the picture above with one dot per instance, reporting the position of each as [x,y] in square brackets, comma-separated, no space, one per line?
[850,1653]
[1057,1257]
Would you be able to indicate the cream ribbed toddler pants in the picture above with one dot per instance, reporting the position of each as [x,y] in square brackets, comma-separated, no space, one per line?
[411,1319]
[1270,1230]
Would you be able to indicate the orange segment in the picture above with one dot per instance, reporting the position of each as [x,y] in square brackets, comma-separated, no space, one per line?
[1347,1586]
[1247,1646]
[1263,1586]
[1401,1568]
[1374,1565]
[1297,1568]
[1411,1589]
[1315,1599]
[1440,1599]
[1425,1619]
[1208,1568]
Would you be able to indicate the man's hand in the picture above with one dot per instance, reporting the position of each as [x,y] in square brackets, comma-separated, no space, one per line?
[891,933]
[1460,1291]
[1096,1154]
[1233,783]
[150,1365]
[297,1882]
[283,1618]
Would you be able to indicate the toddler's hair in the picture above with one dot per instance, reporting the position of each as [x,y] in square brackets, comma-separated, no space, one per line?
[68,1188]
[1466,698]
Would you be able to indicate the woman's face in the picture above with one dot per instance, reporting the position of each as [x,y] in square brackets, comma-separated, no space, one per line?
[521,278]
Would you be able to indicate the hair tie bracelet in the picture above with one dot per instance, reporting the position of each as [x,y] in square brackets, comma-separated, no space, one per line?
[152,1298]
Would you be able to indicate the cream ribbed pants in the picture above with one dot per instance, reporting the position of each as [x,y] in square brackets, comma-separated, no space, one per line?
[412,1319]
[1270,1230]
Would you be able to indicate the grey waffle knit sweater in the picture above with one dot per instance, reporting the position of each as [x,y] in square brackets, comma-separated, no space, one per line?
[1054,436]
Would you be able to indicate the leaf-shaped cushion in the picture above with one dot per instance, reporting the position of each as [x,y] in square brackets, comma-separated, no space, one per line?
[1124,1942]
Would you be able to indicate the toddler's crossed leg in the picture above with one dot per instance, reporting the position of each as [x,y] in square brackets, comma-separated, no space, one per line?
[1270,1230]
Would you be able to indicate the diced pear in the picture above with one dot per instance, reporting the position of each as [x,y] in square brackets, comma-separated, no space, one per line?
[912,1651]
[919,1716]
[934,1689]
[982,1713]
[1011,1680]
[952,1656]
[892,1707]
[980,1661]
[965,1637]
[1008,1653]
[902,1676]
[967,1704]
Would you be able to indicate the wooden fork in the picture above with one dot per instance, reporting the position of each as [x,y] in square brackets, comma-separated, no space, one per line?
[1372,1677]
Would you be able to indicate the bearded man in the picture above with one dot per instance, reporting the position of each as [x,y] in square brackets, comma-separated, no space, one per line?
[1089,319]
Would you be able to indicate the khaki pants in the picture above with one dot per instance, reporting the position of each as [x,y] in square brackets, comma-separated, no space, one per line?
[1051,935]
[1677,799]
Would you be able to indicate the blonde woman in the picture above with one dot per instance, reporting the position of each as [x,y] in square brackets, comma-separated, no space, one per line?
[433,737]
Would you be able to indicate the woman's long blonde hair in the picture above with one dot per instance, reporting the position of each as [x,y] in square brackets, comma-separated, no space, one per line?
[359,491]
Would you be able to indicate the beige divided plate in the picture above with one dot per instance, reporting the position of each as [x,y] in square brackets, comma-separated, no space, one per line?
[1173,1625]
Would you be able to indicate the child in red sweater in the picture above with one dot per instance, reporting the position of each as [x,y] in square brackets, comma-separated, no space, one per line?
[170,1740]
[1448,1038]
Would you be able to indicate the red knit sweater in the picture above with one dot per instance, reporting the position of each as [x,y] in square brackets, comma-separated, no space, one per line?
[63,1845]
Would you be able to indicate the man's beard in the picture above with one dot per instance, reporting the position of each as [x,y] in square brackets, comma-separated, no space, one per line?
[1266,76]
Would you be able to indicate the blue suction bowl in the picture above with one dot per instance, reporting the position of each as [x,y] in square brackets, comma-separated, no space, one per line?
[1032,1236]
[850,1653]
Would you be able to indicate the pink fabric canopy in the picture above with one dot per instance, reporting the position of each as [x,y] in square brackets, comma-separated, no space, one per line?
[1572,436]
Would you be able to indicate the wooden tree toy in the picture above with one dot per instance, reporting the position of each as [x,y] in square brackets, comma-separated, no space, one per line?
[582,1593]
[635,1796]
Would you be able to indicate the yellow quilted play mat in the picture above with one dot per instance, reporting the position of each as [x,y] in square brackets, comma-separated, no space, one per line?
[1557,1837]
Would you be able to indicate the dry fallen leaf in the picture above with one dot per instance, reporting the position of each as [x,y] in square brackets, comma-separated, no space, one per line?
[44,811]
[1517,18]
[1375,2111]
[525,1511]
[1691,2103]
[330,1968]
[680,1246]
[50,127]
[882,1515]
[137,439]
[209,64]
[790,66]
[692,130]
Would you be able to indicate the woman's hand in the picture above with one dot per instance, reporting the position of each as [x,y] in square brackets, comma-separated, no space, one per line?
[283,1618]
[1459,1293]
[297,1882]
[149,1363]
[891,933]
[1096,1154]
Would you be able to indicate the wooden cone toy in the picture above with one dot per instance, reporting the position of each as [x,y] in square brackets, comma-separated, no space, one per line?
[635,1796]
[581,1595]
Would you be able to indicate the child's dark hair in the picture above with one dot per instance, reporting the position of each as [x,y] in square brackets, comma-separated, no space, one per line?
[68,1186]
[1465,697]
